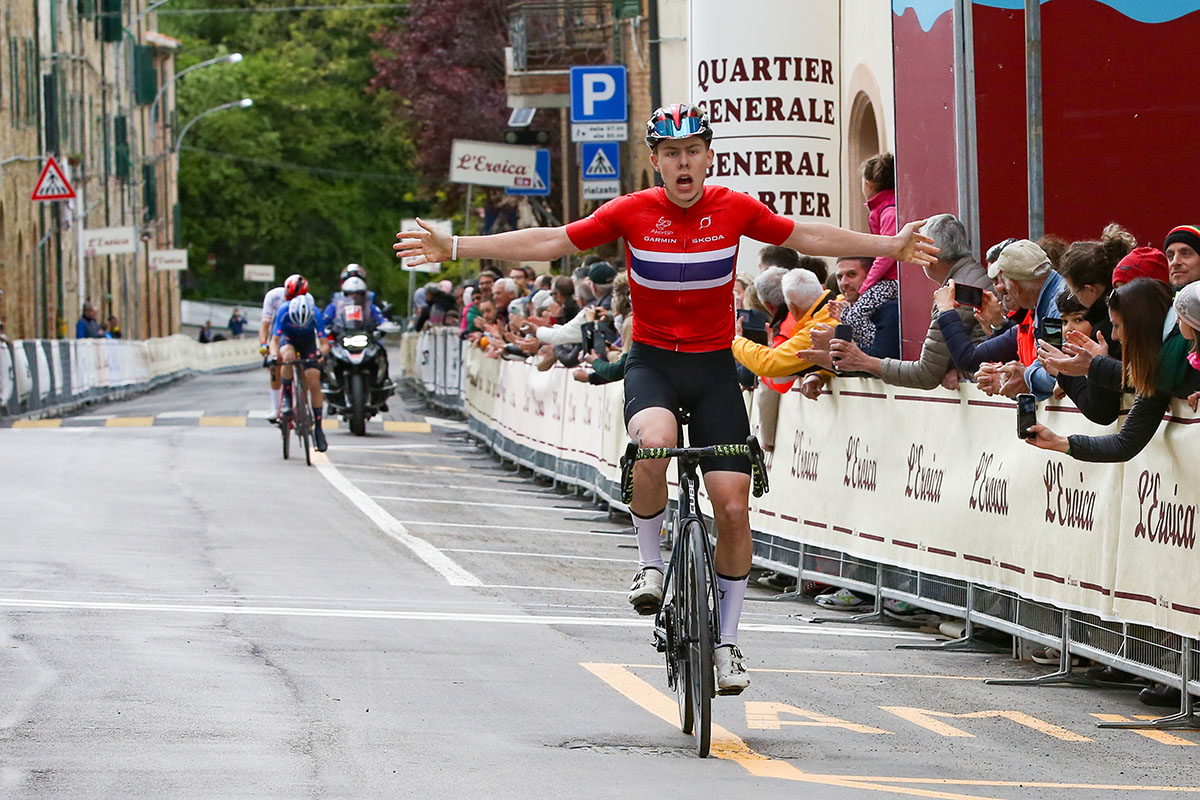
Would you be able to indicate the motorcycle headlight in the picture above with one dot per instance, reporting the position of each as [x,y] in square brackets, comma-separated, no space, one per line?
[357,340]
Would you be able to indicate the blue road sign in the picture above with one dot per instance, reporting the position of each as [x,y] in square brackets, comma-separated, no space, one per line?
[541,186]
[601,161]
[598,94]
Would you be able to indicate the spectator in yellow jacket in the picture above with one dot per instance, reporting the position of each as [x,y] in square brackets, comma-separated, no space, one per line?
[808,302]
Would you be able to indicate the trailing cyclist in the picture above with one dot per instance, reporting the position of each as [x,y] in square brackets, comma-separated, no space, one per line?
[681,248]
[299,333]
[294,286]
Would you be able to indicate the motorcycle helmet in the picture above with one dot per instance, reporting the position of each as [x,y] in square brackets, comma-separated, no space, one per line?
[352,270]
[354,284]
[295,285]
[300,312]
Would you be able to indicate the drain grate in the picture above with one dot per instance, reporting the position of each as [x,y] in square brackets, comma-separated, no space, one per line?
[622,748]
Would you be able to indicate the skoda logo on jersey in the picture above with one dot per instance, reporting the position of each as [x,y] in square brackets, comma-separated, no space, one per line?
[704,223]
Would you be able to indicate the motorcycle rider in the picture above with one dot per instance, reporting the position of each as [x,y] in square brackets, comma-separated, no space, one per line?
[294,286]
[354,293]
[299,332]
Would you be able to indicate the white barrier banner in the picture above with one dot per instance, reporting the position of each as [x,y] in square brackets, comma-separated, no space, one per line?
[1157,560]
[936,481]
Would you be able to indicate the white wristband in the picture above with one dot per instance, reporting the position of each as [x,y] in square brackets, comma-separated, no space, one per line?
[454,248]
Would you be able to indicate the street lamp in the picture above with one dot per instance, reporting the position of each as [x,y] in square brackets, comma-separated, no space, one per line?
[245,102]
[231,58]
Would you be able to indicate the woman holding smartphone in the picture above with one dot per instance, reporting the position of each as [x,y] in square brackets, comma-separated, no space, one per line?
[1138,311]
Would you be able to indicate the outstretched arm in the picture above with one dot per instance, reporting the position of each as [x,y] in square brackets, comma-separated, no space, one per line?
[819,239]
[430,245]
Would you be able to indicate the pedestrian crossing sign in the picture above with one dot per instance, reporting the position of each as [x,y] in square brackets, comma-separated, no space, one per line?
[53,184]
[601,161]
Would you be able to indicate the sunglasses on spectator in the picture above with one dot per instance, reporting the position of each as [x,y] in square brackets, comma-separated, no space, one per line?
[994,251]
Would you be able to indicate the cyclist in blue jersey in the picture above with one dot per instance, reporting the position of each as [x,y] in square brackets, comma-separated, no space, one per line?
[681,243]
[299,333]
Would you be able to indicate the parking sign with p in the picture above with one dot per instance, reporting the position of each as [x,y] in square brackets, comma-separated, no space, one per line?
[598,94]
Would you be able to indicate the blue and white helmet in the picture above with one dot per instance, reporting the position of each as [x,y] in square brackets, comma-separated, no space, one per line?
[300,311]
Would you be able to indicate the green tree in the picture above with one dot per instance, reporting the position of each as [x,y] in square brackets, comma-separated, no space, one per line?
[316,174]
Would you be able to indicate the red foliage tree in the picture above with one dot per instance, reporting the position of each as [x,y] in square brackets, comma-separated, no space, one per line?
[445,65]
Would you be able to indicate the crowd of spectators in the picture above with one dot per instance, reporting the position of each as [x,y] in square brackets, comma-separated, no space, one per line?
[1092,320]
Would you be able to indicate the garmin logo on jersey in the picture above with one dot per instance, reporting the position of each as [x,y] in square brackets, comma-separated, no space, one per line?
[660,239]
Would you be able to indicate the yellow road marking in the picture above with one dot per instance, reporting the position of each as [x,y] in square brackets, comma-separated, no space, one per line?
[407,427]
[37,423]
[222,422]
[925,718]
[837,672]
[129,422]
[729,746]
[1162,737]
[765,717]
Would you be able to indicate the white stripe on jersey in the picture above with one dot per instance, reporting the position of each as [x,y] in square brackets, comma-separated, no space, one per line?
[683,258]
[677,286]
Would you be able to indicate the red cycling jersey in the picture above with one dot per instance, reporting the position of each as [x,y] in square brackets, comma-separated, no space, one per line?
[681,260]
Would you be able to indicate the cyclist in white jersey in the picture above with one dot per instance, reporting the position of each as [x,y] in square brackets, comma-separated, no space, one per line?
[272,301]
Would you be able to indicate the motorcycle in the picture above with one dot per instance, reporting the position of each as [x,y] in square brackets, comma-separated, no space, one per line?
[357,385]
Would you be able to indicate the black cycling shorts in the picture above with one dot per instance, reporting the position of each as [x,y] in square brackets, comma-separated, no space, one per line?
[703,384]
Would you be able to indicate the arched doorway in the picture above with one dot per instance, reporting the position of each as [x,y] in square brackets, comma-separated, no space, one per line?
[863,142]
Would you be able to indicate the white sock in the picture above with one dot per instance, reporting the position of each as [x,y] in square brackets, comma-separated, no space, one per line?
[275,398]
[649,539]
[731,592]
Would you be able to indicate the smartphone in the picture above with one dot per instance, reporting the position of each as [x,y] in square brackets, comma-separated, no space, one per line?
[589,336]
[599,345]
[1052,332]
[1026,415]
[968,295]
[756,335]
[746,315]
[844,332]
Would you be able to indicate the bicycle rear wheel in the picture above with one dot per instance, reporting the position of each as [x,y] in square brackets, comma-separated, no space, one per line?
[700,633]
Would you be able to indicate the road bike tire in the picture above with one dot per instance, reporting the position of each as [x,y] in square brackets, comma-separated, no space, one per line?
[358,405]
[700,641]
[678,620]
[306,440]
[285,426]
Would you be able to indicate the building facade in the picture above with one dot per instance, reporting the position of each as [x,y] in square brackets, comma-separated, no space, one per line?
[78,83]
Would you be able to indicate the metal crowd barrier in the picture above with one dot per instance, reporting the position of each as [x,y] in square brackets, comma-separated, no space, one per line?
[434,364]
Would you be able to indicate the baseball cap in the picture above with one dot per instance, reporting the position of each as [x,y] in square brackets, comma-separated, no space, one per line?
[1020,260]
[602,272]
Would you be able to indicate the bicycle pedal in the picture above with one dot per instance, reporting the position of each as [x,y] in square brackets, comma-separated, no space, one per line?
[660,641]
[646,609]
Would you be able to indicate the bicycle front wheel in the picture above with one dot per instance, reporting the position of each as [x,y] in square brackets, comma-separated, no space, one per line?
[677,618]
[701,674]
[285,427]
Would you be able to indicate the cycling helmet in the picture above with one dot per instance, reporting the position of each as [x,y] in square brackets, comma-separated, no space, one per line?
[295,285]
[352,270]
[353,284]
[300,312]
[677,121]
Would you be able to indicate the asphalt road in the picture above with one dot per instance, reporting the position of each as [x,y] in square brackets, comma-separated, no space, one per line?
[184,614]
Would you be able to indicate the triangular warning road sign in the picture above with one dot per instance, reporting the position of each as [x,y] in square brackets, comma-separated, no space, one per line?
[600,167]
[53,184]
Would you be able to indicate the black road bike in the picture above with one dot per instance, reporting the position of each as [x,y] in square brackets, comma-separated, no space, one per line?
[688,624]
[300,417]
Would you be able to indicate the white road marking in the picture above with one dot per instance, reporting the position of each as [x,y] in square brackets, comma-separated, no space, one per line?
[432,523]
[443,564]
[180,414]
[550,589]
[447,423]
[431,616]
[465,487]
[387,446]
[465,503]
[537,555]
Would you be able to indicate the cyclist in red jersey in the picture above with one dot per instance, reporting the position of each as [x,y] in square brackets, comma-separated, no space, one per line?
[681,248]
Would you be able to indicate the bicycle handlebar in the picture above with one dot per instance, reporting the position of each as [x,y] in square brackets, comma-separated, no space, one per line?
[752,449]
[309,363]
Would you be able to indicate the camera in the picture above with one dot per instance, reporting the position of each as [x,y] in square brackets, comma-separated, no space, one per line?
[1026,415]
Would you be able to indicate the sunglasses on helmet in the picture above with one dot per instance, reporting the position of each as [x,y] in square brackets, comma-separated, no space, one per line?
[688,126]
